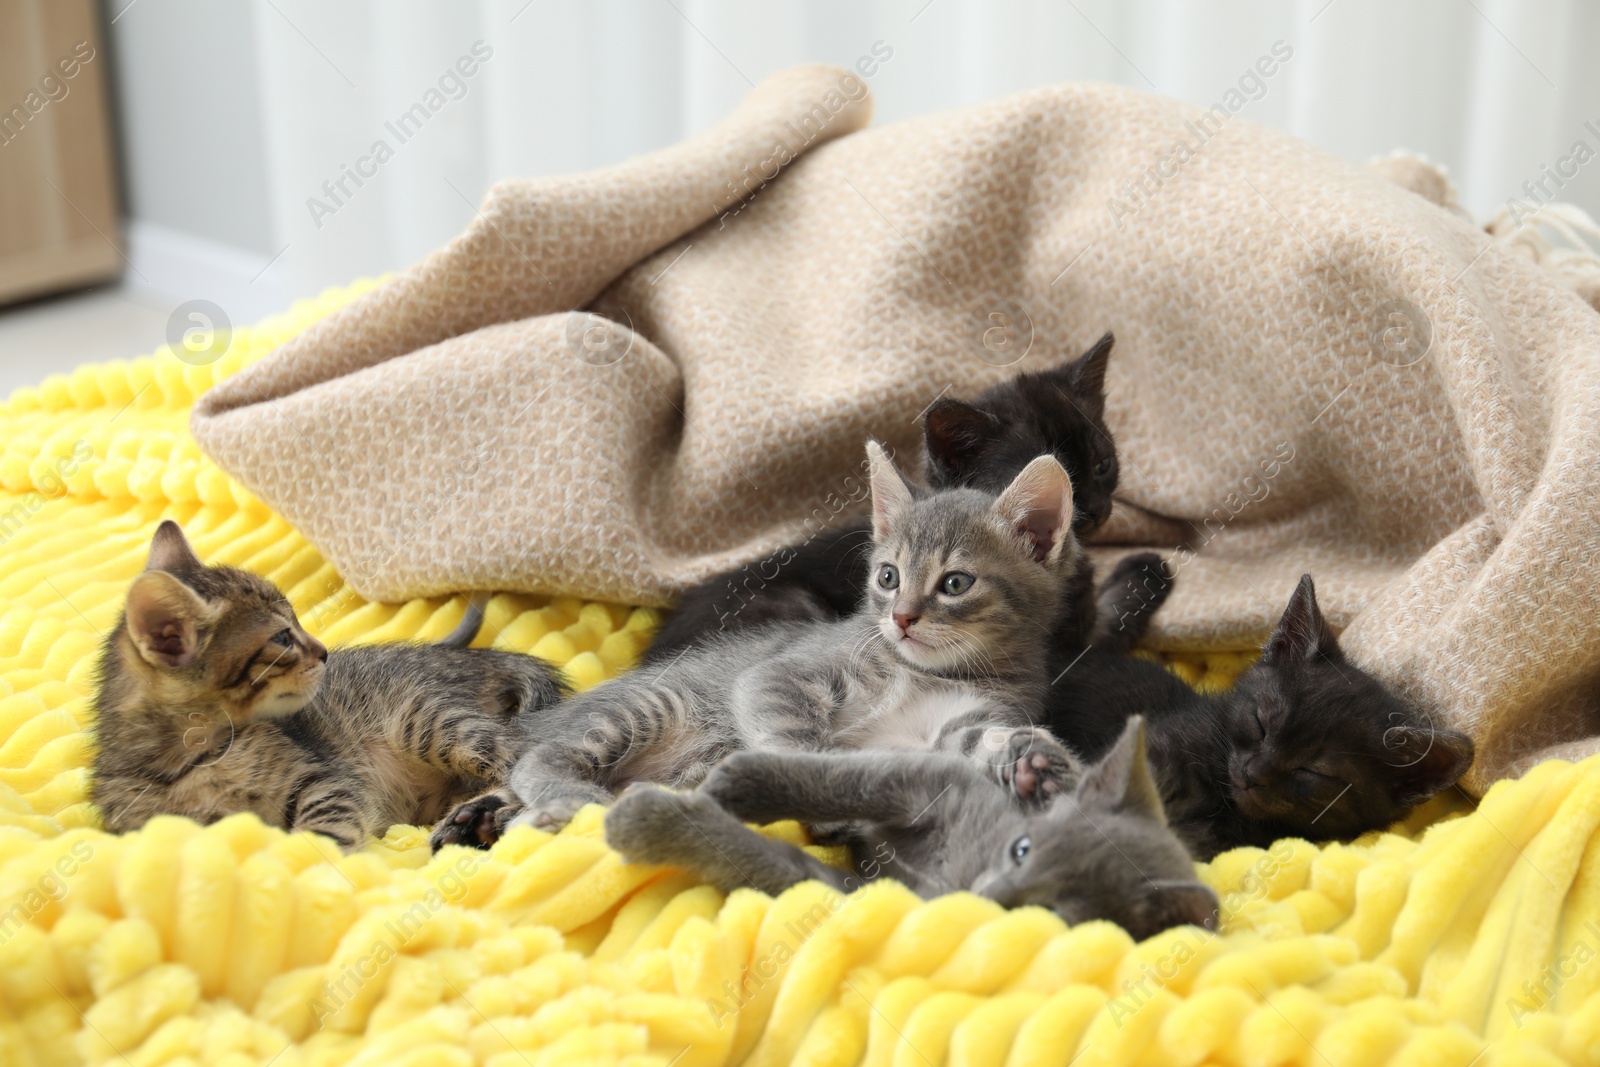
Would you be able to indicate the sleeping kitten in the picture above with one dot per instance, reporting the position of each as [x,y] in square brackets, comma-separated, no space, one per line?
[981,445]
[212,700]
[936,824]
[948,652]
[1306,744]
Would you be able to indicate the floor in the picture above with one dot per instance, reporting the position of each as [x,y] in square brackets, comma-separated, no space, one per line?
[54,335]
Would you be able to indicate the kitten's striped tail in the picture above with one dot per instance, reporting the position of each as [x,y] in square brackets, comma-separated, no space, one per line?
[470,624]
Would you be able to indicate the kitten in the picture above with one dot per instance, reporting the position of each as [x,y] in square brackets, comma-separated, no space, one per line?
[981,445]
[936,824]
[1306,744]
[947,652]
[212,700]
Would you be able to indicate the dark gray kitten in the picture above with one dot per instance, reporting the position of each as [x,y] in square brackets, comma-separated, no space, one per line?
[935,823]
[947,652]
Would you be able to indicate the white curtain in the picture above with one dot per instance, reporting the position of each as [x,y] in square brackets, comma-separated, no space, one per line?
[1498,91]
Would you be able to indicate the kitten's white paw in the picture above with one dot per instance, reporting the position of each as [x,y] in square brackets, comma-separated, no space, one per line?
[552,814]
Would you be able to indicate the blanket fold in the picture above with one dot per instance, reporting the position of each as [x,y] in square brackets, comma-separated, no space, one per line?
[613,385]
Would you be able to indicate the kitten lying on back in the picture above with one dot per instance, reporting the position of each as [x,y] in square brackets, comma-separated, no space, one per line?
[212,700]
[1306,744]
[948,652]
[981,445]
[935,823]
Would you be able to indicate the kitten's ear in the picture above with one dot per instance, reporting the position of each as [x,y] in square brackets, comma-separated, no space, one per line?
[890,492]
[1086,375]
[1426,760]
[954,433]
[165,618]
[1188,902]
[1302,633]
[170,551]
[1122,781]
[1037,505]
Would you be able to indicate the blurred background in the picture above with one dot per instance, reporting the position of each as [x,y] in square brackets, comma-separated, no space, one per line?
[250,152]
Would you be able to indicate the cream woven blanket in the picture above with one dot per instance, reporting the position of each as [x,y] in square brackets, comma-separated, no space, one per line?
[1317,369]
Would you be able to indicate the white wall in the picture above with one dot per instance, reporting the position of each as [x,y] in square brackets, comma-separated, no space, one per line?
[188,104]
[235,113]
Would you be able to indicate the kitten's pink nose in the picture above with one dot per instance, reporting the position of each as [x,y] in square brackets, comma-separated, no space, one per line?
[905,621]
[316,649]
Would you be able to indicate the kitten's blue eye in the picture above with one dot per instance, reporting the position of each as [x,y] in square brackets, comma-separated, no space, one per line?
[1020,848]
[955,583]
[284,638]
[888,576]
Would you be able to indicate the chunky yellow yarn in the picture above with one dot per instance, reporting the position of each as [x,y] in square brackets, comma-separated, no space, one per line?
[1468,941]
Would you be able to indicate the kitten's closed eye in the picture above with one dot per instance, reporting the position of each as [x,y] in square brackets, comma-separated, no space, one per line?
[1316,787]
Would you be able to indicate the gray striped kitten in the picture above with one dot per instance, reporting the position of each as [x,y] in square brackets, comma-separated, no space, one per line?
[947,652]
[212,699]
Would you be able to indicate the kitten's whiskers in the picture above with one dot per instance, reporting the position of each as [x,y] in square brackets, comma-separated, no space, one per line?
[979,655]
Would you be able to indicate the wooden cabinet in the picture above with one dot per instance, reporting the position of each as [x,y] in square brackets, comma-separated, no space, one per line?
[59,225]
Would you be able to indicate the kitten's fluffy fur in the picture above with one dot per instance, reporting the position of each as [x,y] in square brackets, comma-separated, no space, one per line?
[1306,744]
[212,700]
[981,445]
[935,823]
[948,651]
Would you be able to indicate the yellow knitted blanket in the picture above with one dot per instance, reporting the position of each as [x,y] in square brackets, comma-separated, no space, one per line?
[1470,940]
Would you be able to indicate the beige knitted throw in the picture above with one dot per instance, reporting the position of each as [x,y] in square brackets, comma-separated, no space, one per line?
[1317,369]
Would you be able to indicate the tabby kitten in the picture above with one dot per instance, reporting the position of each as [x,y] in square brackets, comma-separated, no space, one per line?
[981,445]
[1306,744]
[948,652]
[212,700]
[938,825]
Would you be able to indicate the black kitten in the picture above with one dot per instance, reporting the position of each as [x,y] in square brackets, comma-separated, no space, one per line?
[982,445]
[1306,744]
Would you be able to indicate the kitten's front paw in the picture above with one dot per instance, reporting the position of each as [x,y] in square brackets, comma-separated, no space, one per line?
[741,783]
[1036,767]
[1144,571]
[1136,587]
[551,811]
[478,823]
[647,823]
